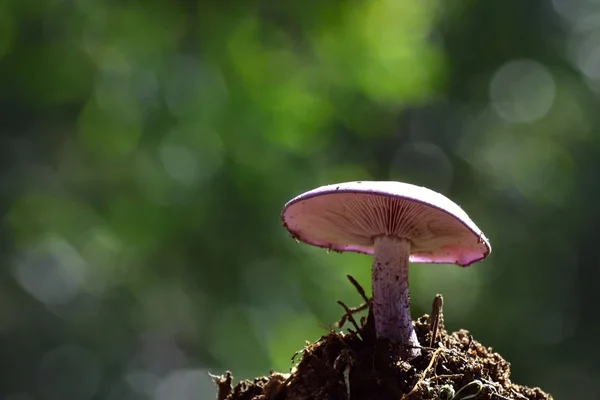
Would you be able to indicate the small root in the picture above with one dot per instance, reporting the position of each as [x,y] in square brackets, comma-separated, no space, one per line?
[354,310]
[424,374]
[359,289]
[345,358]
[348,315]
[350,311]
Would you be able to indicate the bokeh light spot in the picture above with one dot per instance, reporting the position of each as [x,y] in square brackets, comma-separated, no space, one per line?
[52,271]
[522,91]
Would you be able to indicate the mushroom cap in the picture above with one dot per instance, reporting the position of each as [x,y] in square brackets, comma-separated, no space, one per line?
[348,216]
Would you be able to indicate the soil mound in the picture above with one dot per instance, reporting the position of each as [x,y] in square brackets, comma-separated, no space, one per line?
[354,365]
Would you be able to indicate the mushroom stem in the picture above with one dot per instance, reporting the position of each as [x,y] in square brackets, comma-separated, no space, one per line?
[391,299]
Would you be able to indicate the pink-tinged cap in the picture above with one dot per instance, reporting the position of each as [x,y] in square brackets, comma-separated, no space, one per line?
[348,216]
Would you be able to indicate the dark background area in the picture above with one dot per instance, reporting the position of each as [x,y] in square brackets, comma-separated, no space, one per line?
[147,148]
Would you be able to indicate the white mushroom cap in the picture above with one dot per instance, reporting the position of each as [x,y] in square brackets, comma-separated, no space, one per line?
[348,216]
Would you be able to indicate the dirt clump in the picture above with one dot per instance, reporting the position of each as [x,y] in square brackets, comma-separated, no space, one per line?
[354,365]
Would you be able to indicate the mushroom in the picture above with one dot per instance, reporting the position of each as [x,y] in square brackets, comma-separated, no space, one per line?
[396,223]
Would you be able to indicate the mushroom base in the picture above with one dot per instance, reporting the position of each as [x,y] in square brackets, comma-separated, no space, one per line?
[391,298]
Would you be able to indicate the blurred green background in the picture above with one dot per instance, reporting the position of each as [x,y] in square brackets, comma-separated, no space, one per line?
[147,148]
